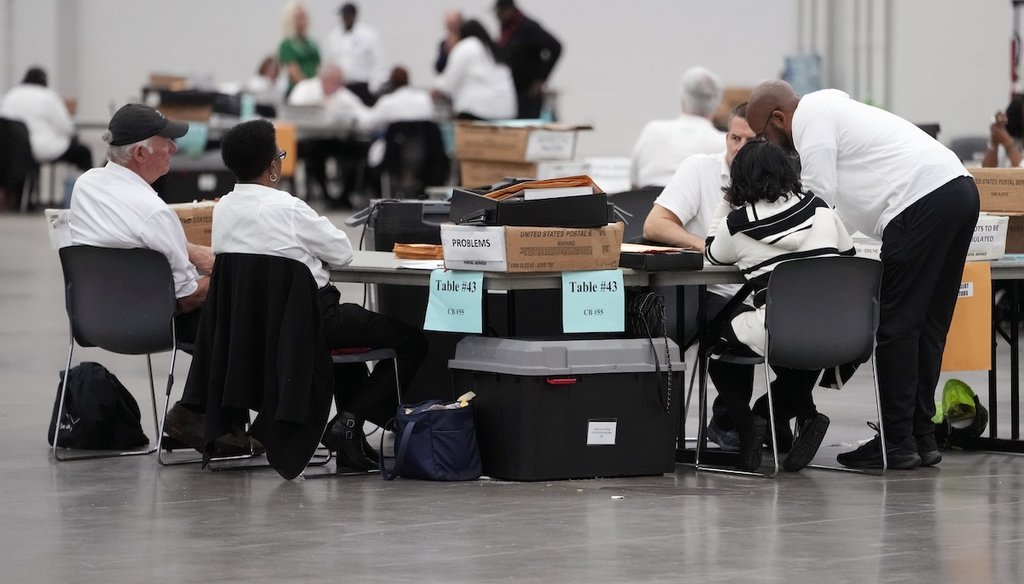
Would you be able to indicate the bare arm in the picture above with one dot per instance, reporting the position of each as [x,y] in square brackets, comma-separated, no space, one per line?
[663,226]
[998,136]
[201,257]
[195,300]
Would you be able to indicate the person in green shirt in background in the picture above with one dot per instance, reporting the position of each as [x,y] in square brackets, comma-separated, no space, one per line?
[298,54]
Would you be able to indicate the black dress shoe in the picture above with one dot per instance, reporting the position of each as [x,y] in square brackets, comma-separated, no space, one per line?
[344,436]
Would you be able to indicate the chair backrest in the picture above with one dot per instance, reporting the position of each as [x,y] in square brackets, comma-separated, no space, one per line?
[966,147]
[16,160]
[121,300]
[414,157]
[822,312]
[633,207]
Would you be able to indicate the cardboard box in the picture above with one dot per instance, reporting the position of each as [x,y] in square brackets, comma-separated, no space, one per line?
[197,221]
[991,239]
[731,97]
[1001,189]
[530,249]
[477,173]
[515,143]
[1015,234]
[969,341]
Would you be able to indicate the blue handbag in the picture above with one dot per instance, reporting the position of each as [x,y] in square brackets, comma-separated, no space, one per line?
[435,441]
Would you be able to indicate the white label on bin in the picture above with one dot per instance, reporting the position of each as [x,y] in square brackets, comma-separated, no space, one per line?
[966,290]
[601,432]
[550,145]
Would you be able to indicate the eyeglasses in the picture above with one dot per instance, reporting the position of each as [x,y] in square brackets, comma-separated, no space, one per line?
[760,137]
[280,155]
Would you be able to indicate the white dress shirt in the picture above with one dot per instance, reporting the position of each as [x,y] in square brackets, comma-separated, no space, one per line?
[694,195]
[261,220]
[476,83]
[341,107]
[866,162]
[664,144]
[112,206]
[359,54]
[405,104]
[43,111]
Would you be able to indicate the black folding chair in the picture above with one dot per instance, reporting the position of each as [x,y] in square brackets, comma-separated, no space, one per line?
[819,313]
[633,207]
[122,301]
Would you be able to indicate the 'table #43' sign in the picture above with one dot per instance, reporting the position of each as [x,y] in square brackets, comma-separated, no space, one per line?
[455,301]
[593,302]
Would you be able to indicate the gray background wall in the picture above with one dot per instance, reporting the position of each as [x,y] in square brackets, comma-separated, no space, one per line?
[942,61]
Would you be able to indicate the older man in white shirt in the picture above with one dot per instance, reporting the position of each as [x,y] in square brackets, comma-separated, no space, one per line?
[115,206]
[664,144]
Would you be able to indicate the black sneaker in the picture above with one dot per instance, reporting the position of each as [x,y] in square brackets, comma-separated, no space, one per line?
[727,440]
[901,456]
[806,445]
[750,444]
[928,449]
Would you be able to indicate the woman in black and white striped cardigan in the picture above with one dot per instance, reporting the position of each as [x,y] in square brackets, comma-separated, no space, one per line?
[765,220]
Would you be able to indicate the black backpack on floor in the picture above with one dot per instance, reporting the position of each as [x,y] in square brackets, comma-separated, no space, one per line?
[99,413]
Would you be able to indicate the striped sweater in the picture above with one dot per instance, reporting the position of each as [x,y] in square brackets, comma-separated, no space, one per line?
[757,237]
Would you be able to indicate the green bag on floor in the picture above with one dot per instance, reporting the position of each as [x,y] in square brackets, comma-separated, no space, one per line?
[959,414]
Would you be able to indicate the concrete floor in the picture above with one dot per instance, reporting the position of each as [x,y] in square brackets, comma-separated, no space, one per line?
[129,520]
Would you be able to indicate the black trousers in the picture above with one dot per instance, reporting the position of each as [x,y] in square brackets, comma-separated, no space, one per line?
[923,254]
[351,158]
[530,106]
[372,396]
[77,154]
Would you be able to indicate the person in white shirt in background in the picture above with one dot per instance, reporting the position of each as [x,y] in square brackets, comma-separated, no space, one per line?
[356,49]
[267,86]
[115,206]
[50,129]
[258,218]
[664,144]
[452,25]
[404,103]
[683,216]
[342,109]
[476,79]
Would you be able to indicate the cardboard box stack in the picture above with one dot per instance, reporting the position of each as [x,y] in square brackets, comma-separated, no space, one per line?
[197,221]
[489,152]
[1002,193]
[520,228]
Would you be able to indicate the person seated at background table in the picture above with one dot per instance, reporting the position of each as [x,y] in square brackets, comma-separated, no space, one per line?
[50,129]
[664,144]
[765,220]
[257,218]
[681,217]
[115,206]
[343,110]
[476,78]
[297,53]
[265,85]
[1006,136]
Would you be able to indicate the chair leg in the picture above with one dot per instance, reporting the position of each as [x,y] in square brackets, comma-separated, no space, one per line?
[881,434]
[63,395]
[701,439]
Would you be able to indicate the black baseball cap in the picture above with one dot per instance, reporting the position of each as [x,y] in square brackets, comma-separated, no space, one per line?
[135,122]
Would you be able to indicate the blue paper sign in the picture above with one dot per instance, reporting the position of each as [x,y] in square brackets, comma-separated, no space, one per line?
[593,302]
[455,301]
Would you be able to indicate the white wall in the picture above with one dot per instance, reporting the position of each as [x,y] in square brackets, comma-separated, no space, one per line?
[621,64]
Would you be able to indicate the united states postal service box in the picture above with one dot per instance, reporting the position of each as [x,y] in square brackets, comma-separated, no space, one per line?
[197,220]
[504,248]
[1000,189]
[564,409]
[516,141]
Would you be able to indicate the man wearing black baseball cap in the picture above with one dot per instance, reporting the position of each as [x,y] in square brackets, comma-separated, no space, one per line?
[115,206]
